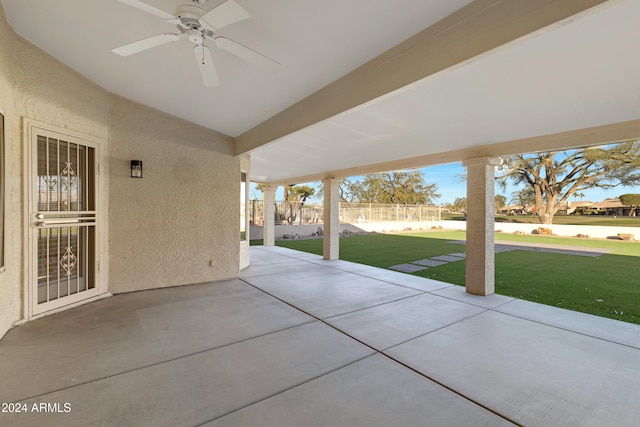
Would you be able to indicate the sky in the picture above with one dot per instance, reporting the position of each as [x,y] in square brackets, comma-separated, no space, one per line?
[450,186]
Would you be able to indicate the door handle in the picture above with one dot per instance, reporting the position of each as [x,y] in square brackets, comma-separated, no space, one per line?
[41,222]
[65,221]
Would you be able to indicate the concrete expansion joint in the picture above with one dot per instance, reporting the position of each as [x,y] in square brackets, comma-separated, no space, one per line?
[436,329]
[375,351]
[289,388]
[165,361]
[556,326]
[453,390]
[311,315]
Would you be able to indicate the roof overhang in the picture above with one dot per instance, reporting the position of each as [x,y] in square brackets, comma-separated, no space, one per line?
[493,78]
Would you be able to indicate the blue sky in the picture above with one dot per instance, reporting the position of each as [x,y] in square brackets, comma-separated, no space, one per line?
[451,187]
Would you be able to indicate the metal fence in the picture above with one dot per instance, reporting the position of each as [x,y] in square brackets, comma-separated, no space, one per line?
[373,212]
[295,213]
[287,213]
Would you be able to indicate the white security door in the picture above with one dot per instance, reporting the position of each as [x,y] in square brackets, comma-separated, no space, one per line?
[63,220]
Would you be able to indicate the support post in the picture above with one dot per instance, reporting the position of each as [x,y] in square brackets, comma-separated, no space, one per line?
[331,235]
[480,272]
[269,226]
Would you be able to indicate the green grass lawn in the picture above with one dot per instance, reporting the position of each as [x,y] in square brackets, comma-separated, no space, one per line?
[607,221]
[607,286]
[558,219]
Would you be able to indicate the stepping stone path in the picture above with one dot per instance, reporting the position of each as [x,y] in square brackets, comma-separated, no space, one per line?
[429,262]
[439,260]
[407,268]
[449,258]
[423,264]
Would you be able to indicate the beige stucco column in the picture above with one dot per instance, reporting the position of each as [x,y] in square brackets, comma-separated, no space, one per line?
[331,236]
[269,226]
[480,275]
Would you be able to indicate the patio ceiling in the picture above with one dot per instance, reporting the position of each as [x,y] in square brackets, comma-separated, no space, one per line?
[567,85]
[316,43]
[527,70]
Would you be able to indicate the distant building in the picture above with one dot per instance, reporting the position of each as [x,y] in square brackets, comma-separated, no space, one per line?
[612,207]
[518,210]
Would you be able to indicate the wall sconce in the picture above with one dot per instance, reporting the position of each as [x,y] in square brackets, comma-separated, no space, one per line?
[136,168]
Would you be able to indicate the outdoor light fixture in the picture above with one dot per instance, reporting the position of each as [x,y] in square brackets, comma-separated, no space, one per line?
[136,168]
[504,163]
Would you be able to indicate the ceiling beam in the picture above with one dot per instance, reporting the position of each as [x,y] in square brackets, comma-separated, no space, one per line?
[574,139]
[475,29]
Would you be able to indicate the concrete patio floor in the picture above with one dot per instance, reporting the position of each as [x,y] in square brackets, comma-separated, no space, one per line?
[298,341]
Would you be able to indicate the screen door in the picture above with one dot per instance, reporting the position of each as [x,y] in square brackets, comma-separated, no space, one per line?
[63,220]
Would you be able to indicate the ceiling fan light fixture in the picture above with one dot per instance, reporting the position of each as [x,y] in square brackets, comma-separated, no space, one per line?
[195,36]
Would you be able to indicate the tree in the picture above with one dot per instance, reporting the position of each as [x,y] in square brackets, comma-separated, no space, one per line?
[460,204]
[344,190]
[524,197]
[397,187]
[301,193]
[285,193]
[554,176]
[260,188]
[500,202]
[631,200]
[350,190]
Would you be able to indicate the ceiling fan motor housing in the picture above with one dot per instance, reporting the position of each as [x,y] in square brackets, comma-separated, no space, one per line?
[189,14]
[190,24]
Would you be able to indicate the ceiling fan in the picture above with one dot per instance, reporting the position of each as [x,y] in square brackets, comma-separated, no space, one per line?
[199,26]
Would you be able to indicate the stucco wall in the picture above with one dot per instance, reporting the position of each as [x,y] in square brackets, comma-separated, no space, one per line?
[36,86]
[163,229]
[10,292]
[167,227]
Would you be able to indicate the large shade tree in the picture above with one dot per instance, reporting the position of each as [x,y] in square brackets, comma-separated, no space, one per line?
[556,176]
[396,187]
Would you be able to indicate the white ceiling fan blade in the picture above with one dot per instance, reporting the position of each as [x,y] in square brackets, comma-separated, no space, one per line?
[227,13]
[206,67]
[139,46]
[147,8]
[247,54]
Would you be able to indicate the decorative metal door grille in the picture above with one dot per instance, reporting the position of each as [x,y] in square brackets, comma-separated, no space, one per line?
[65,220]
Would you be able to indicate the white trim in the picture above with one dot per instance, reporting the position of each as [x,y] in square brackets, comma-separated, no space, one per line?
[68,306]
